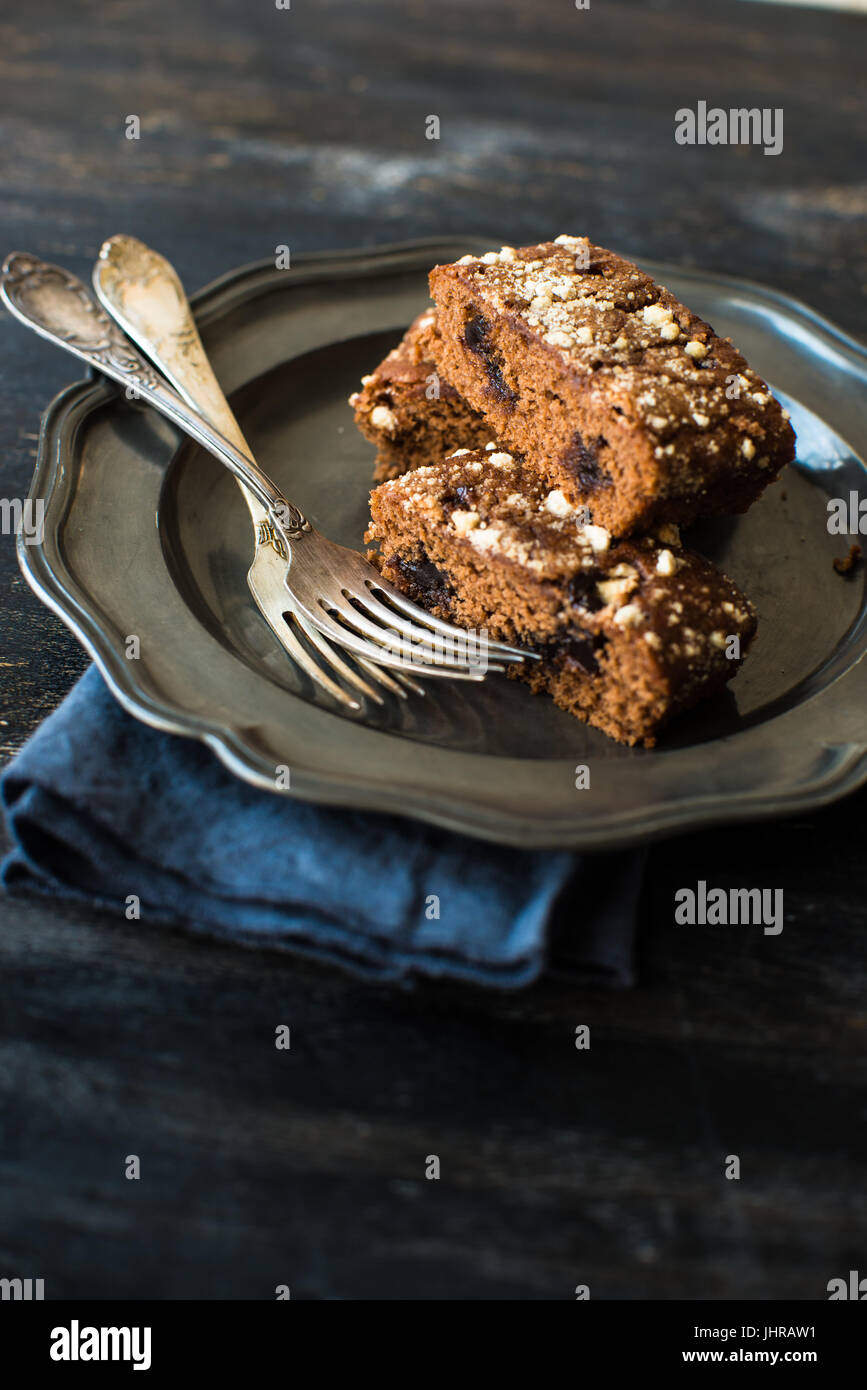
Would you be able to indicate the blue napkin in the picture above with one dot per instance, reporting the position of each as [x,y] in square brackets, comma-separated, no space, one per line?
[104,809]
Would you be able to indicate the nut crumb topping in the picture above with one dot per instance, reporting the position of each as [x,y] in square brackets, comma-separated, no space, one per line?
[611,321]
[623,582]
[465,521]
[598,538]
[630,615]
[668,533]
[559,504]
[383,419]
[666,563]
[498,527]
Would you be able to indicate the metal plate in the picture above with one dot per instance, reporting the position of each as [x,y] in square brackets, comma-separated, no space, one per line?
[146,535]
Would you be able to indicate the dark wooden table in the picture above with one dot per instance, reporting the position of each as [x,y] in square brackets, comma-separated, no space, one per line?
[306,127]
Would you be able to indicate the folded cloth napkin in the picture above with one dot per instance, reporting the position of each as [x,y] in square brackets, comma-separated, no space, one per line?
[104,809]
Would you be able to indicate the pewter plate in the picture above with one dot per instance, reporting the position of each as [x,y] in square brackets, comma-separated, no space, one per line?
[145,534]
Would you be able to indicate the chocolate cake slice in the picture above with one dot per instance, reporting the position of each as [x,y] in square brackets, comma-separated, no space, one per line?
[408,411]
[628,632]
[619,394]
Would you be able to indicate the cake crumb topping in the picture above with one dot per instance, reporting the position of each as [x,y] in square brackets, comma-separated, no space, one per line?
[483,545]
[558,503]
[630,615]
[383,419]
[609,320]
[598,538]
[465,521]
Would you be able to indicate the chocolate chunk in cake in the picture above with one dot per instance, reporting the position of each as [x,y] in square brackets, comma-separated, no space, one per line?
[408,411]
[618,393]
[628,632]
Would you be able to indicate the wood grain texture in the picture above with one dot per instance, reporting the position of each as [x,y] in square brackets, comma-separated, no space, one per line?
[306,127]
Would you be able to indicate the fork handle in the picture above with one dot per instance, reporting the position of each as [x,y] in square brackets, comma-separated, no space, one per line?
[60,308]
[142,292]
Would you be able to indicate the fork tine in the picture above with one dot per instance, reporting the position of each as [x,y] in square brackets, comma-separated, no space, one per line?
[454,635]
[265,582]
[400,656]
[319,571]
[379,655]
[414,644]
[407,639]
[299,655]
[501,650]
[412,685]
[324,647]
[394,684]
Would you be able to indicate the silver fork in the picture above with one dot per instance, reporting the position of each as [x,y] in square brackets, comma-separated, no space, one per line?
[334,588]
[142,292]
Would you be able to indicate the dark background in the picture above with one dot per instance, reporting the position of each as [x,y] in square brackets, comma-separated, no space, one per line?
[306,127]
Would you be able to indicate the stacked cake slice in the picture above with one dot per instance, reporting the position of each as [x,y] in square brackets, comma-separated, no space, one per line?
[545,429]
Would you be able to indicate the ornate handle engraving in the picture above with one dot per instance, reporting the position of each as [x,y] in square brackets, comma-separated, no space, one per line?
[57,304]
[142,291]
[60,308]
